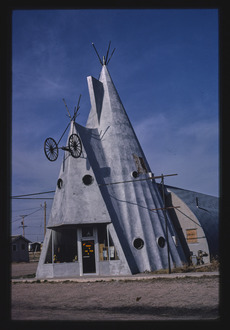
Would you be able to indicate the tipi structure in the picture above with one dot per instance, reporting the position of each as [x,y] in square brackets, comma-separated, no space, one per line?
[108,215]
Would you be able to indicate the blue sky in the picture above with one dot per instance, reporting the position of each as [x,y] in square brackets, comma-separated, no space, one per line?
[165,68]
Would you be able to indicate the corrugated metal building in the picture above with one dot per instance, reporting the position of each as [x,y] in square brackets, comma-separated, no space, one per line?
[198,217]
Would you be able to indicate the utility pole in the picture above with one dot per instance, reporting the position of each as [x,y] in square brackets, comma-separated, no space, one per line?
[166,222]
[44,219]
[23,225]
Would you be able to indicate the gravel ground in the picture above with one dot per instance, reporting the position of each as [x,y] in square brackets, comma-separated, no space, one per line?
[188,298]
[23,269]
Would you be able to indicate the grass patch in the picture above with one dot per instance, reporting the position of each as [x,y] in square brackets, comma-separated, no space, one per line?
[211,267]
[24,276]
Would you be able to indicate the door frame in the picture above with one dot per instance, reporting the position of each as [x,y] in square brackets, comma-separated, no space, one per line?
[96,250]
[82,242]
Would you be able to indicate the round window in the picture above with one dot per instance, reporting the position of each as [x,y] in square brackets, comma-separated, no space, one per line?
[135,174]
[161,242]
[87,179]
[59,183]
[138,243]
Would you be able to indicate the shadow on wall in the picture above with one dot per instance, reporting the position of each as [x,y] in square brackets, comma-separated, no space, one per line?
[177,226]
[100,174]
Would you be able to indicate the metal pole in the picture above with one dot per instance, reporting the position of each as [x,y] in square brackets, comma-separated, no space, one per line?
[52,244]
[127,181]
[166,223]
[44,220]
[23,227]
[107,233]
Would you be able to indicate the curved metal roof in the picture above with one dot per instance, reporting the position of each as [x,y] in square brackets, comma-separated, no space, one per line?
[206,209]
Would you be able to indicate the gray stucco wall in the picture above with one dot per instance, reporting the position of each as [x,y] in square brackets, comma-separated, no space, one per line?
[110,150]
[129,204]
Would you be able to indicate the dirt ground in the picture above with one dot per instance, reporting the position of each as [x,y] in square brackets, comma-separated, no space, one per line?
[189,298]
[23,269]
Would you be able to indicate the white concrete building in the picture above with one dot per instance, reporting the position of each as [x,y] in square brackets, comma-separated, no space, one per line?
[108,216]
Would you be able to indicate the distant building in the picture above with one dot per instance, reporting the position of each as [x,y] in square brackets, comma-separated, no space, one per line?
[34,247]
[20,252]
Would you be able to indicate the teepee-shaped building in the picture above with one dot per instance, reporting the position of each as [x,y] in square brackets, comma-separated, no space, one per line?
[108,216]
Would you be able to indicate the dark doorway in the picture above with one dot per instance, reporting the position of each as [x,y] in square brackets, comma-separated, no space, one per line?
[88,257]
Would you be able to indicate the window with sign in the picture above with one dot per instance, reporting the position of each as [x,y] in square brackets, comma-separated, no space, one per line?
[191,235]
[107,250]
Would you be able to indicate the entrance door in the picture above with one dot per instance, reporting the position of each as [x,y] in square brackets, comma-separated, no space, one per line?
[88,256]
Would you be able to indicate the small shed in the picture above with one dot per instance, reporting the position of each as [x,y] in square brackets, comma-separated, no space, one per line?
[34,247]
[20,252]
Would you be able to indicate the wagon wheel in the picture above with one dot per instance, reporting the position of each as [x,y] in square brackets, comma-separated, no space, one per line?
[51,149]
[75,145]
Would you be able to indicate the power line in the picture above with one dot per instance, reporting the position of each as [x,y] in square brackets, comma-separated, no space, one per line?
[32,208]
[15,220]
[28,214]
[39,193]
[189,218]
[17,198]
[34,212]
[30,226]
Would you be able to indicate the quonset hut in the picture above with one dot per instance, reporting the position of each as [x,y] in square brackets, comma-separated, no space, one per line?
[198,221]
[109,215]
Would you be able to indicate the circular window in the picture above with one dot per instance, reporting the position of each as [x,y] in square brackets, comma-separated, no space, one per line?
[87,179]
[138,243]
[59,183]
[135,174]
[161,242]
